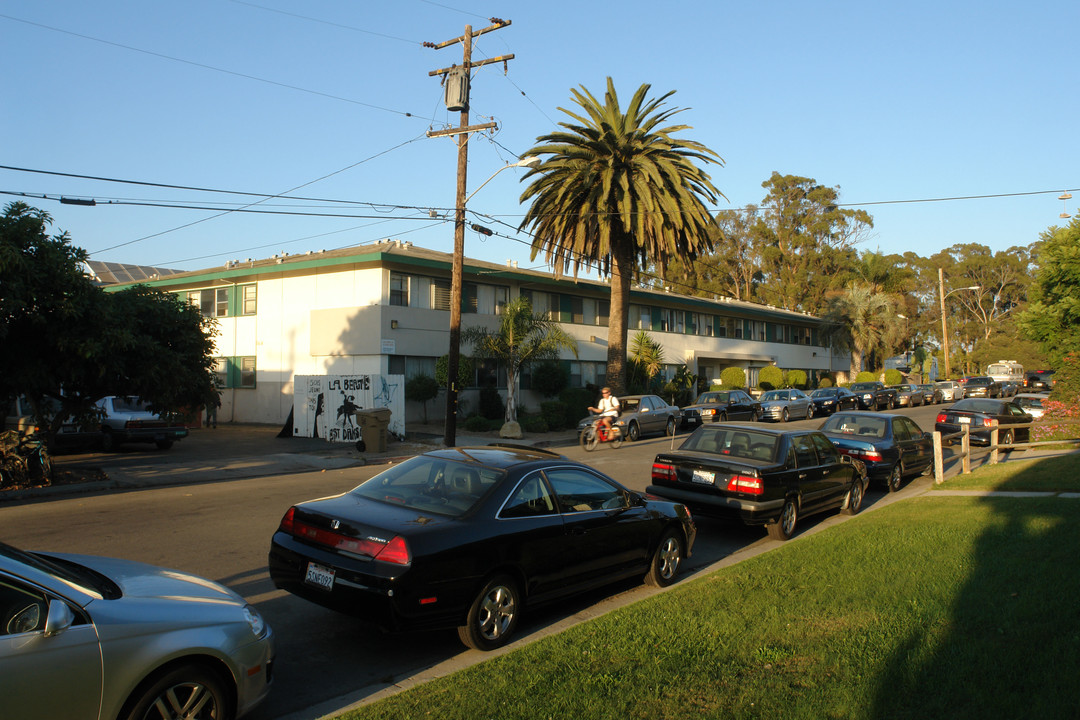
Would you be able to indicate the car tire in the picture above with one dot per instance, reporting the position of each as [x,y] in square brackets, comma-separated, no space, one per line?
[785,415]
[810,412]
[178,690]
[890,405]
[666,561]
[492,616]
[723,417]
[853,500]
[670,429]
[589,440]
[1006,437]
[784,526]
[164,444]
[755,416]
[108,442]
[633,432]
[929,469]
[896,477]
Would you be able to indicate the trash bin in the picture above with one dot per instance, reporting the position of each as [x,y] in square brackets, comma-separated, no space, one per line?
[374,424]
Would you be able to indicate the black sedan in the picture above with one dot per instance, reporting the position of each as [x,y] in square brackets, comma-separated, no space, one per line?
[983,386]
[891,446]
[720,406]
[829,400]
[468,537]
[978,414]
[760,476]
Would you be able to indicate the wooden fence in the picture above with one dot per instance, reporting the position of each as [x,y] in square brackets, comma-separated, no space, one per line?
[995,447]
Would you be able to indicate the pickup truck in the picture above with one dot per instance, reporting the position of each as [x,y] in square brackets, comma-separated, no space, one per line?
[874,395]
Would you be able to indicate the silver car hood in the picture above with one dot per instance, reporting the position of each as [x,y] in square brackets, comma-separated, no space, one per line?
[139,581]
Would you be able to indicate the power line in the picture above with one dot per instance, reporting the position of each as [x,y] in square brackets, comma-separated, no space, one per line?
[208,67]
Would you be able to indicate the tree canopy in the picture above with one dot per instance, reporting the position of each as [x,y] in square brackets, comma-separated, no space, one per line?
[68,341]
[1053,316]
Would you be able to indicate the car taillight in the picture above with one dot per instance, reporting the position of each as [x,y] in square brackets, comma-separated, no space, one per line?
[987,422]
[746,484]
[941,417]
[663,471]
[395,550]
[871,455]
[286,524]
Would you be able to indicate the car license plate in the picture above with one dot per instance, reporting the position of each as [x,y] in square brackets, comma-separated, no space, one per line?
[703,476]
[320,576]
[964,420]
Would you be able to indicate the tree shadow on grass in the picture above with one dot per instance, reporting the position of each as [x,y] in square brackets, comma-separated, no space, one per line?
[1010,645]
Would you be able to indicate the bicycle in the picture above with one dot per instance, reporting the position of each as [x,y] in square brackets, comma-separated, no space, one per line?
[596,433]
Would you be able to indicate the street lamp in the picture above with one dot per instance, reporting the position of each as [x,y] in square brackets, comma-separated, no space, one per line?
[453,359]
[944,330]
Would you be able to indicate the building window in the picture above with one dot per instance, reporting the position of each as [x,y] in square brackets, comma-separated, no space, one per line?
[399,289]
[221,373]
[248,299]
[484,299]
[757,330]
[440,294]
[247,372]
[665,320]
[640,318]
[545,304]
[212,303]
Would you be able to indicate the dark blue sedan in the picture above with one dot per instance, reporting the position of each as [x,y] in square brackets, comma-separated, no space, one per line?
[891,446]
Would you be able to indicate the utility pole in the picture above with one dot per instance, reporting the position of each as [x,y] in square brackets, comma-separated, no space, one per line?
[944,331]
[462,131]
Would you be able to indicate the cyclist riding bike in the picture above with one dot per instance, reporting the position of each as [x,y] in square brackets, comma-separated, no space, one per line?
[607,408]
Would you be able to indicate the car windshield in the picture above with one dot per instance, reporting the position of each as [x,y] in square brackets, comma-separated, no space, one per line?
[1029,402]
[775,395]
[862,386]
[823,392]
[978,381]
[629,405]
[734,442]
[856,425]
[432,484]
[128,403]
[712,397]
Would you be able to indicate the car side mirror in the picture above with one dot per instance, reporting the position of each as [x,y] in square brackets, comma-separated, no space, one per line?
[59,618]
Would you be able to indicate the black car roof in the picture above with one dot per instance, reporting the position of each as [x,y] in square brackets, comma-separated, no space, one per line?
[500,456]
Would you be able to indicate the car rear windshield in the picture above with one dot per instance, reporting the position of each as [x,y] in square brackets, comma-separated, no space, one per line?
[733,442]
[432,484]
[873,427]
[988,407]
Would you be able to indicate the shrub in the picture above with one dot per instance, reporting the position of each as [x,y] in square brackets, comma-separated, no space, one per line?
[866,376]
[770,378]
[534,424]
[422,388]
[466,370]
[733,377]
[554,414]
[492,405]
[825,382]
[477,423]
[893,377]
[795,378]
[577,401]
[549,378]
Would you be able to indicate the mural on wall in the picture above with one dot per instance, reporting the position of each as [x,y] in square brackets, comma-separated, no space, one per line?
[324,406]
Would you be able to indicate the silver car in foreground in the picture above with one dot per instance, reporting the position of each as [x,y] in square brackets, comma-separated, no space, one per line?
[93,637]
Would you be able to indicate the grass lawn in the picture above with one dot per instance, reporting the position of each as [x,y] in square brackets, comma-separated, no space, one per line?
[934,607]
[1060,473]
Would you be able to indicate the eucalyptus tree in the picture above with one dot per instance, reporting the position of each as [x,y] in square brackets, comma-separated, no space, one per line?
[618,192]
[521,338]
[807,241]
[1053,317]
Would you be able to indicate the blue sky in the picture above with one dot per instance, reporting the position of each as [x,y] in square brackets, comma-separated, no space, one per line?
[890,102]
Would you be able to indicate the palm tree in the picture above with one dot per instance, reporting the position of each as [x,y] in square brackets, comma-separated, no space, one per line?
[521,338]
[617,192]
[646,361]
[860,320]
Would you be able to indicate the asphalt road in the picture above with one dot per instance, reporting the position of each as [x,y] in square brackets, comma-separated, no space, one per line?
[325,660]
